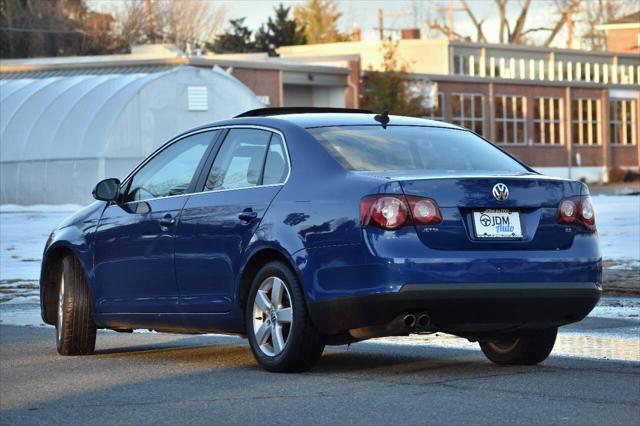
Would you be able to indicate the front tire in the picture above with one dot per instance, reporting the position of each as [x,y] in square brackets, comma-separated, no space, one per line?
[281,334]
[527,348]
[75,329]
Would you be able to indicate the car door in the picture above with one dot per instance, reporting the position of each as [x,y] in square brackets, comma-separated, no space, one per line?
[217,224]
[134,241]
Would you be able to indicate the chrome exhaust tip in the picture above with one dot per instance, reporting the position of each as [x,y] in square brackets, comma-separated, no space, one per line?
[409,320]
[424,320]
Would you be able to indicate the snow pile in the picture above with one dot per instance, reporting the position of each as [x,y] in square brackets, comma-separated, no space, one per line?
[40,208]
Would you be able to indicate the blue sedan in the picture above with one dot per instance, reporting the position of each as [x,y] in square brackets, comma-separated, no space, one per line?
[300,228]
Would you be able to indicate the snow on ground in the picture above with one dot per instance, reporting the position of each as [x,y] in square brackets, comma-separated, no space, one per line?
[24,232]
[618,221]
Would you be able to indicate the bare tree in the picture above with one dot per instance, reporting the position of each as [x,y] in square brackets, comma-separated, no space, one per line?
[566,10]
[595,12]
[188,24]
[508,32]
[478,24]
[131,22]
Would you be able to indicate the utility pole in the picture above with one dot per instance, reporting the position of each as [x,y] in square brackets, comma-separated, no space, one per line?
[381,16]
[569,24]
[451,11]
[150,30]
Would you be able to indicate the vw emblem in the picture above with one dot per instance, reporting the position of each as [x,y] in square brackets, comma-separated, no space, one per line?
[500,191]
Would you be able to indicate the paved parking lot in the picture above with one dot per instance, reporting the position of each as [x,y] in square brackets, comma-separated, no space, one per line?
[151,378]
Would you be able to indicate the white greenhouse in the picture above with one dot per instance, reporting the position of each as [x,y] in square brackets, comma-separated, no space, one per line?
[60,134]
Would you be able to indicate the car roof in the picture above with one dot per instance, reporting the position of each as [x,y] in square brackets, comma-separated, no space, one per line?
[325,119]
[310,120]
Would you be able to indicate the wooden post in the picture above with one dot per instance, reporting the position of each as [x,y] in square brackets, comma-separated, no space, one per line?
[604,134]
[151,32]
[568,123]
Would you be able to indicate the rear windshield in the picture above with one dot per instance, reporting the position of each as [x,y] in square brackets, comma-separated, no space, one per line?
[372,148]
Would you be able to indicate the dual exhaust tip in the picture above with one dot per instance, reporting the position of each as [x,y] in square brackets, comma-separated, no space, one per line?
[420,321]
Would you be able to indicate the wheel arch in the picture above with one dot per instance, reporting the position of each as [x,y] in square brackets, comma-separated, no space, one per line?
[256,260]
[49,279]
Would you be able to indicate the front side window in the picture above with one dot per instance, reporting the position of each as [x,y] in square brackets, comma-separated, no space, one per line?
[406,148]
[510,119]
[239,162]
[622,121]
[548,119]
[585,120]
[170,172]
[468,111]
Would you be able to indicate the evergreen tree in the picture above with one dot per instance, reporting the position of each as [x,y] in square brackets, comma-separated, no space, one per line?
[280,31]
[237,39]
[388,89]
[319,19]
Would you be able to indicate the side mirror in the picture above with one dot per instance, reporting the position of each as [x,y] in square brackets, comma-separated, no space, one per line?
[107,190]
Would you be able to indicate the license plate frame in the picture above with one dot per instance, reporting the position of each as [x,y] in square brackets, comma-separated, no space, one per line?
[497,224]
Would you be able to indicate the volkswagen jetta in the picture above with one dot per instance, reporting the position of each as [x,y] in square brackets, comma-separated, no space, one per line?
[302,228]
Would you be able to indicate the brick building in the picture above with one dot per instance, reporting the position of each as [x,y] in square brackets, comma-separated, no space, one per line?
[623,35]
[569,113]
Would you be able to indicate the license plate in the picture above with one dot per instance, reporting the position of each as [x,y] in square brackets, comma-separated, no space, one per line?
[497,224]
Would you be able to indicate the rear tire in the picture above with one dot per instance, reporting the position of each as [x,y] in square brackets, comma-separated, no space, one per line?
[527,348]
[75,329]
[281,334]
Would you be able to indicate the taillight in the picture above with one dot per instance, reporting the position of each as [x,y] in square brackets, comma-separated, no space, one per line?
[577,211]
[385,211]
[424,211]
[390,211]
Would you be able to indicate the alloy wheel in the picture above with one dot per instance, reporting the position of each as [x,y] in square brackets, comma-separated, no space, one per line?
[272,316]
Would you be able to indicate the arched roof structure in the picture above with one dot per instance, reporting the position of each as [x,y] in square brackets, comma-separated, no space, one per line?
[71,131]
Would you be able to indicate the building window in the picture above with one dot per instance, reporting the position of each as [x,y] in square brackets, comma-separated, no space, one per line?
[622,121]
[460,65]
[511,119]
[548,121]
[467,110]
[585,118]
[437,112]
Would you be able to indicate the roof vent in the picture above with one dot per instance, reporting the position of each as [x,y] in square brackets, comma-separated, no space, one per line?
[197,98]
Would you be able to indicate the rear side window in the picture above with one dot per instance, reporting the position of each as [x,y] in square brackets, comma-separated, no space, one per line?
[239,162]
[403,148]
[275,167]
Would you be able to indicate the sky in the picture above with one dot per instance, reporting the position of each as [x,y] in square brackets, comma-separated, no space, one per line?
[365,14]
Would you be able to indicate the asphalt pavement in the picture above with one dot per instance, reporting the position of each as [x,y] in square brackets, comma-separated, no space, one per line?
[150,378]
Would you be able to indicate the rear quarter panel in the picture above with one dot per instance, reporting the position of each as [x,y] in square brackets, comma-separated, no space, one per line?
[316,213]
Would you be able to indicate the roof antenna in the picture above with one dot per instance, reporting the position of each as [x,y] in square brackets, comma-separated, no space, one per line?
[383,118]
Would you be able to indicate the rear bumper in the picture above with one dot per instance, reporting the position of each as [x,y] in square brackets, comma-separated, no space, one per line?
[464,308]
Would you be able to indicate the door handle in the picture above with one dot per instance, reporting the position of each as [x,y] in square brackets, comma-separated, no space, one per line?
[248,215]
[167,221]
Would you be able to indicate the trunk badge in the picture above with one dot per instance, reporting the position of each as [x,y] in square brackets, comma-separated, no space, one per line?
[500,191]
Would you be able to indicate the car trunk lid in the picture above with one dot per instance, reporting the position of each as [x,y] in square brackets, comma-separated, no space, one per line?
[467,200]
